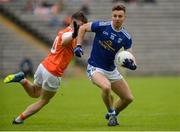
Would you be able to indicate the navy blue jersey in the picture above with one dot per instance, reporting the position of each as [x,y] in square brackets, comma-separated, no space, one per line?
[106,44]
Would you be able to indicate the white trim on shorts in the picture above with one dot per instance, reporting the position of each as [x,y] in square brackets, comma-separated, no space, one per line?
[46,80]
[112,76]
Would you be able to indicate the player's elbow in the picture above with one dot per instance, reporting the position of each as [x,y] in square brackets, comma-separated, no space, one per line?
[66,42]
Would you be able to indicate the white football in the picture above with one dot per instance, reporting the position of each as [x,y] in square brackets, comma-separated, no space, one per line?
[121,56]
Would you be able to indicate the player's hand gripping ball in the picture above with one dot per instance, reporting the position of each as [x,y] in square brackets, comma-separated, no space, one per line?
[125,59]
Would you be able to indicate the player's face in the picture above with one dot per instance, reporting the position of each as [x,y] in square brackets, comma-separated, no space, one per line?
[79,23]
[118,18]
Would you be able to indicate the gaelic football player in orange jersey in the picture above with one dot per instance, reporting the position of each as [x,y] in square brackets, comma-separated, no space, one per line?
[48,74]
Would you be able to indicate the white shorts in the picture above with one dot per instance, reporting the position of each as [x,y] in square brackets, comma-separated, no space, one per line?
[112,76]
[46,80]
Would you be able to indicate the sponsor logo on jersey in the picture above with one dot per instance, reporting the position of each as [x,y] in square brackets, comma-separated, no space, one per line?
[107,44]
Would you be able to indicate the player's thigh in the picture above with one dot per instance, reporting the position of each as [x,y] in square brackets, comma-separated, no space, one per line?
[121,88]
[100,80]
[97,76]
[37,89]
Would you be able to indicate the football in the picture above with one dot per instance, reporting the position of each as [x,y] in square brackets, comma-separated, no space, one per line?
[121,56]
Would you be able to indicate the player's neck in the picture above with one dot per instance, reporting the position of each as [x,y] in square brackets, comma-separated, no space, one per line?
[117,27]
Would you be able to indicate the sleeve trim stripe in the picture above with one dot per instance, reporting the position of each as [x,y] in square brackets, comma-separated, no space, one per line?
[126,33]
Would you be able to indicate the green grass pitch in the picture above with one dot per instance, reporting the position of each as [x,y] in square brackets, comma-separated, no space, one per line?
[78,106]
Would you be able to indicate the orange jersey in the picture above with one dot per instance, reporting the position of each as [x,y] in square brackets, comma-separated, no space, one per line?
[60,56]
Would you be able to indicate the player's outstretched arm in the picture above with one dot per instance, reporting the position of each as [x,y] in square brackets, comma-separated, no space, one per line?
[69,36]
[82,30]
[78,51]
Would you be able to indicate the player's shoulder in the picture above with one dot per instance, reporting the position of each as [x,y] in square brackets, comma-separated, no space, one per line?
[102,23]
[126,33]
[65,30]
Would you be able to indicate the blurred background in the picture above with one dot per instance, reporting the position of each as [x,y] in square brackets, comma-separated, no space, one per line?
[28,28]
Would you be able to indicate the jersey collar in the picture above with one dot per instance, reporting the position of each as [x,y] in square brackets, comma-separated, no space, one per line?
[115,29]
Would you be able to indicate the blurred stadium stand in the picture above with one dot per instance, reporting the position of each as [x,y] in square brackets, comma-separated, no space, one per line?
[14,48]
[155,28]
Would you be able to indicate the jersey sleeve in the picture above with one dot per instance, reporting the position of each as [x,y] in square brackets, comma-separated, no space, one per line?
[128,43]
[66,35]
[60,33]
[95,26]
[63,34]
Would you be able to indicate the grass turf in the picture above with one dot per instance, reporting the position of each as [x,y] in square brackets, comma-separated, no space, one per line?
[78,106]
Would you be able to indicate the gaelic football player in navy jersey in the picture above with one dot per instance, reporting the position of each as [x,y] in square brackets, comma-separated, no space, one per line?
[110,37]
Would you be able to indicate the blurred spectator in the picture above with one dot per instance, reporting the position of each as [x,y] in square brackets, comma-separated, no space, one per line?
[67,20]
[56,9]
[29,7]
[40,7]
[5,1]
[47,10]
[27,67]
[44,7]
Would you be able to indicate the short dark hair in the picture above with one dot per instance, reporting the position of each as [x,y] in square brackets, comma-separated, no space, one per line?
[119,7]
[80,16]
